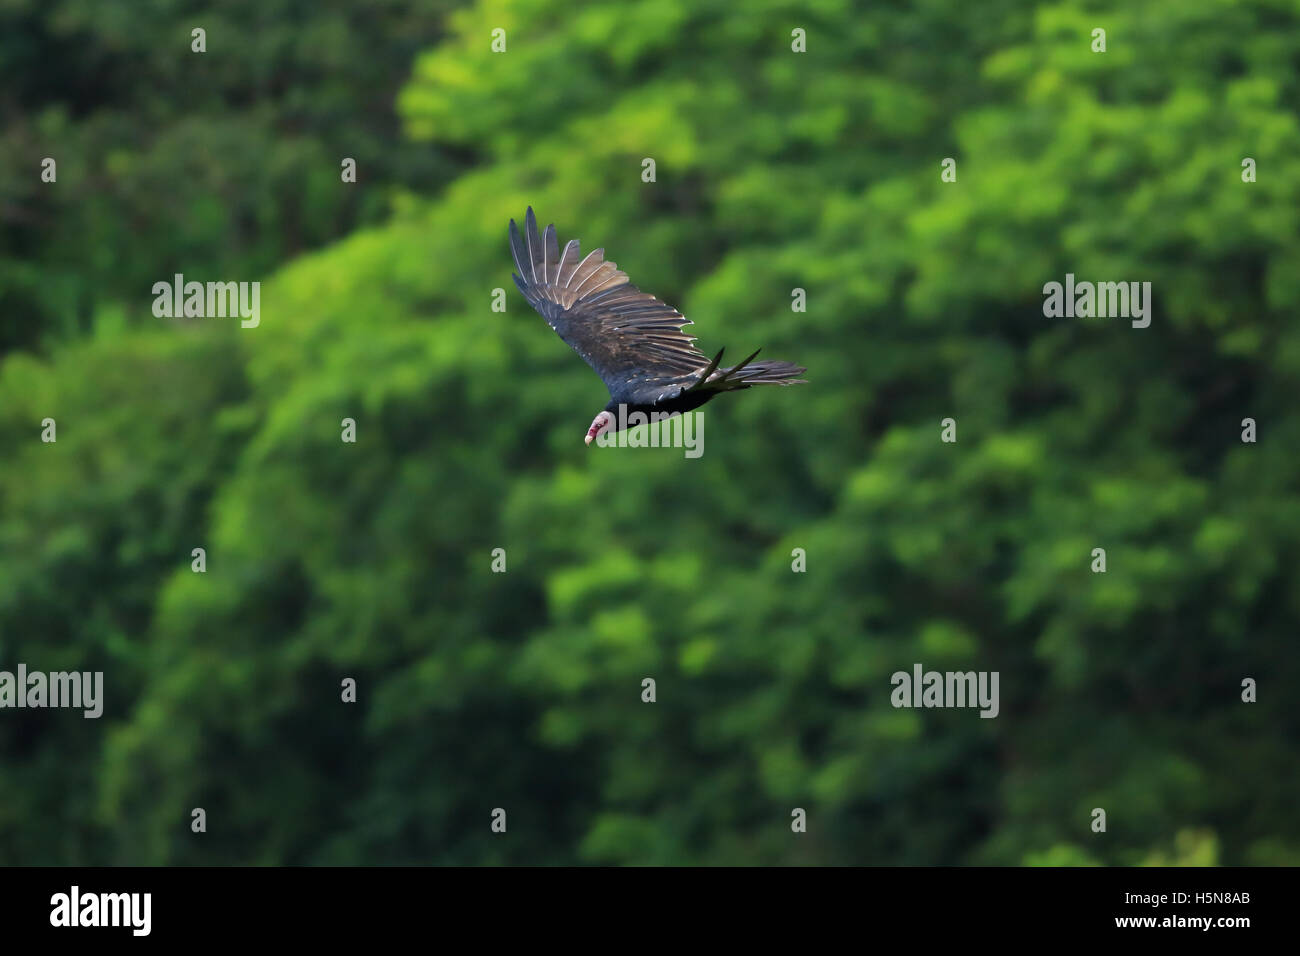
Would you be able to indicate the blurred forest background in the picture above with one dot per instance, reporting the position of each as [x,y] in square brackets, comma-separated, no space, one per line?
[522,690]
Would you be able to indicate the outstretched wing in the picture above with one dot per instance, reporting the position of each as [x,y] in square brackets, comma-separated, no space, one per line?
[627,336]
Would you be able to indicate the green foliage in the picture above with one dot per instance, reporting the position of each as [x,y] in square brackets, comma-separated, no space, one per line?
[220,165]
[522,690]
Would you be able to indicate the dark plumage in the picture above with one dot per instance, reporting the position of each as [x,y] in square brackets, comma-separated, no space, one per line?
[634,342]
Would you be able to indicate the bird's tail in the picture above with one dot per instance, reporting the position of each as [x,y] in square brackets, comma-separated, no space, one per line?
[769,373]
[749,373]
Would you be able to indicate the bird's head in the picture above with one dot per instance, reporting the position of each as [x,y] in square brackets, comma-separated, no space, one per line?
[600,424]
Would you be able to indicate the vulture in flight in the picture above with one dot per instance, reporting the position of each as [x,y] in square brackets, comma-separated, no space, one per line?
[634,342]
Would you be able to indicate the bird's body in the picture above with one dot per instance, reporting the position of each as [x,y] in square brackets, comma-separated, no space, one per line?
[633,341]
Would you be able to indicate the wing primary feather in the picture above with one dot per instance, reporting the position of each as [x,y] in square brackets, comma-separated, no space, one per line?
[711,369]
[534,242]
[571,252]
[598,271]
[581,265]
[751,358]
[551,253]
[726,376]
[519,251]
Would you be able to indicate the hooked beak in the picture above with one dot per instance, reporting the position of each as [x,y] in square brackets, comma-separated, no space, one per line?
[599,424]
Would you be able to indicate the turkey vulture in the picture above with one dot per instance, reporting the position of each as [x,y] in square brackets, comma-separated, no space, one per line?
[634,342]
